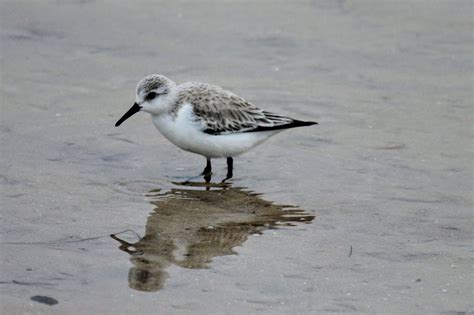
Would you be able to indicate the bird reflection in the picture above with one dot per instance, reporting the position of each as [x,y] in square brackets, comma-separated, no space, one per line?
[190,226]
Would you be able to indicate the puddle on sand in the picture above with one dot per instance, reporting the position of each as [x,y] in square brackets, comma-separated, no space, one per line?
[194,223]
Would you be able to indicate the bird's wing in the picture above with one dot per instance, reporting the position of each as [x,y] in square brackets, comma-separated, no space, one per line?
[222,112]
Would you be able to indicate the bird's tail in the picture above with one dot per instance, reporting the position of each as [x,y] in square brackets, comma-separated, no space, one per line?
[300,123]
[291,124]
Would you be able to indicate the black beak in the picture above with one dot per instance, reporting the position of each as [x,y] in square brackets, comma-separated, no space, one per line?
[132,111]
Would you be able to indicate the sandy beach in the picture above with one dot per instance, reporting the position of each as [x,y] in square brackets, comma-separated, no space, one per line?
[368,212]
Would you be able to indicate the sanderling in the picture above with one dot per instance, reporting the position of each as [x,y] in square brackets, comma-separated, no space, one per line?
[206,119]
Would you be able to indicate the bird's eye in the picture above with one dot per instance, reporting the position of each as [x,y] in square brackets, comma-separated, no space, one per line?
[151,96]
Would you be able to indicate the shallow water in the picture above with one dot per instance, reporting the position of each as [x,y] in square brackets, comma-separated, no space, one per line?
[387,173]
[189,227]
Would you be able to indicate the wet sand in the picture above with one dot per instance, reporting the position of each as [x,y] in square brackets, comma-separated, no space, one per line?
[384,182]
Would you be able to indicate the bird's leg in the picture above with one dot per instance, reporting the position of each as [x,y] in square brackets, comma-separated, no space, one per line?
[208,168]
[207,172]
[230,167]
[207,179]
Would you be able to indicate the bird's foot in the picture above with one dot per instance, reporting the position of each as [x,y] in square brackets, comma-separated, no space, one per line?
[229,176]
[207,178]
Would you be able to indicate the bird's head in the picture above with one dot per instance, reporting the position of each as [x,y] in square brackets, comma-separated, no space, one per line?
[154,94]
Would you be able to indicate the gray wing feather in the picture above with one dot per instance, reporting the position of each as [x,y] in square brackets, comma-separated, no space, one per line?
[222,112]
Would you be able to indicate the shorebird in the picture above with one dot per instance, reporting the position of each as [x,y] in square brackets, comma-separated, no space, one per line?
[206,119]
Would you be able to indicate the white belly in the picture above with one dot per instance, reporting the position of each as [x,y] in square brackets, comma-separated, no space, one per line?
[184,132]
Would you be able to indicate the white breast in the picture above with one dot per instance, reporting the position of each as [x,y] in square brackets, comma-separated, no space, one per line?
[184,131]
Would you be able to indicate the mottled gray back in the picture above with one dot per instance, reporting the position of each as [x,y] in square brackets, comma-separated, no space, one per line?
[221,111]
